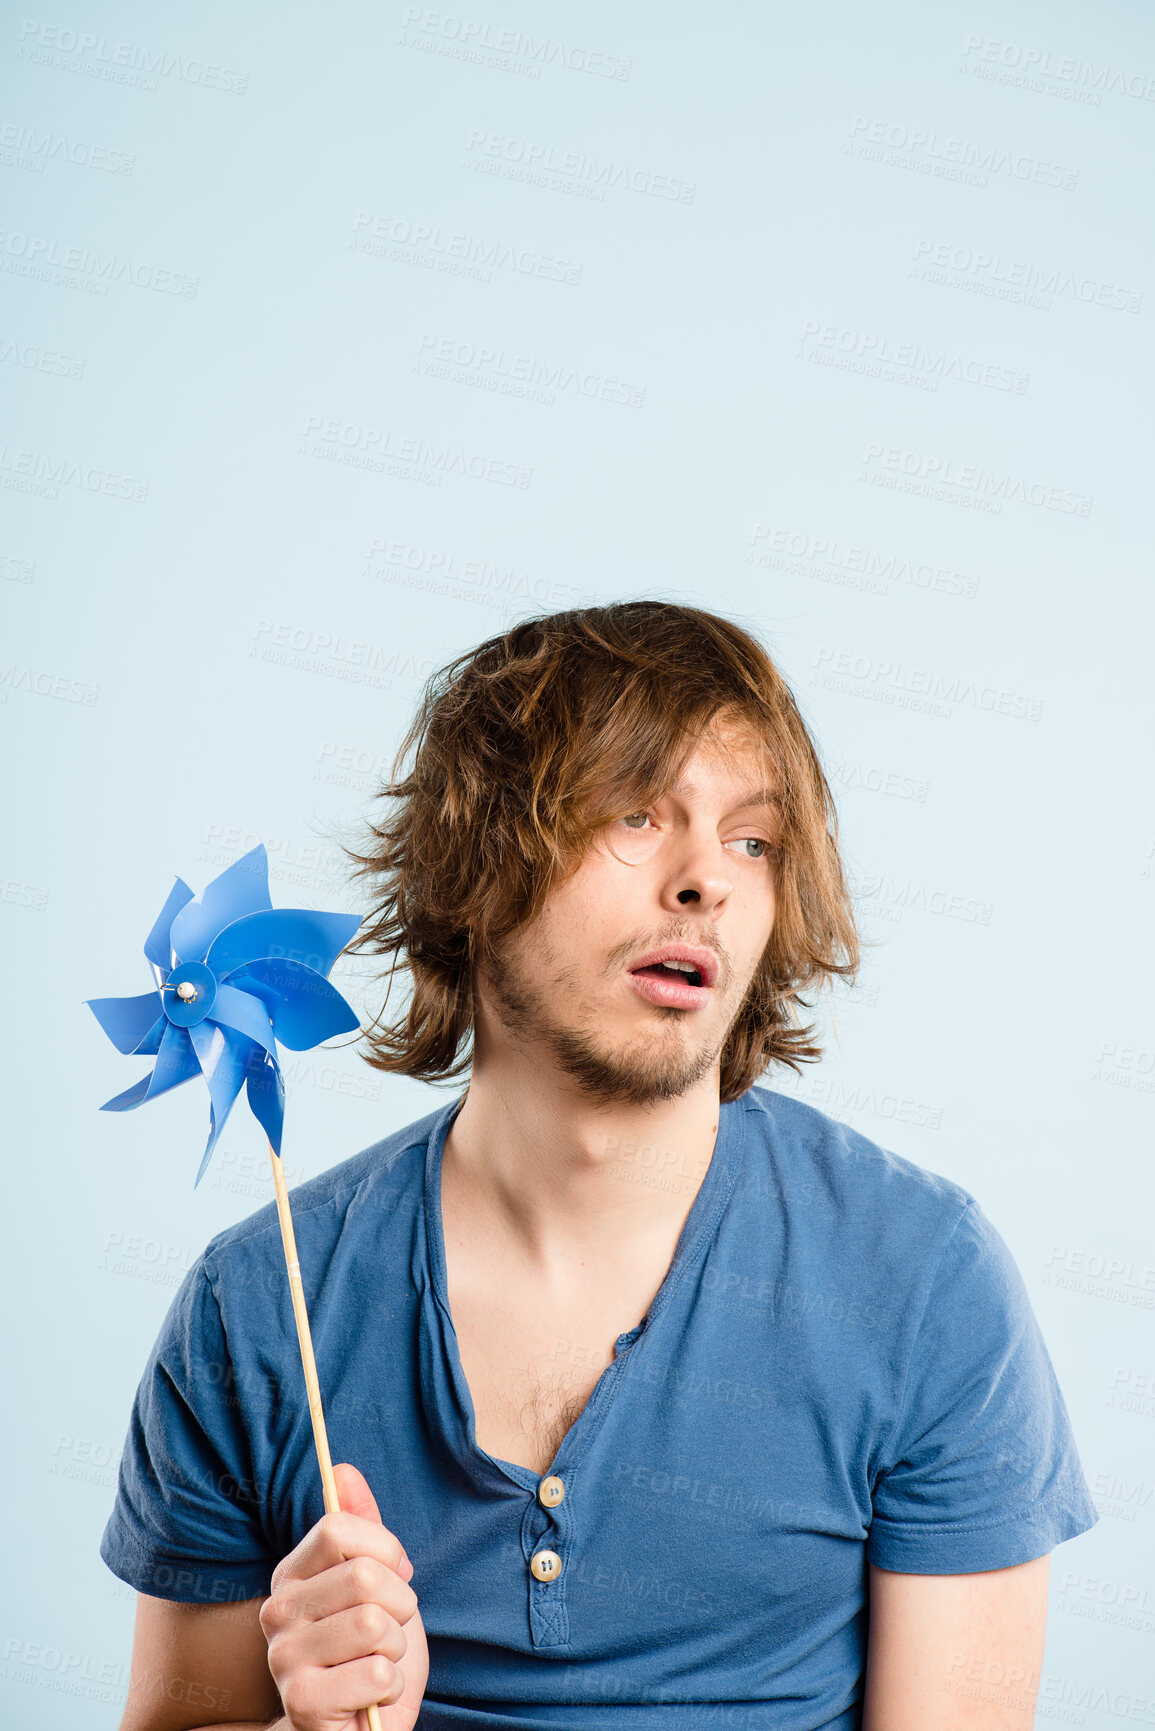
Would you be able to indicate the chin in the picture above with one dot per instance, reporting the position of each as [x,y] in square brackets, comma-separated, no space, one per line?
[633,1074]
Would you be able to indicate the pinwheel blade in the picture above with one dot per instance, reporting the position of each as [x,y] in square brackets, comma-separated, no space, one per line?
[266,1096]
[243,888]
[304,1007]
[214,1132]
[176,1063]
[246,1014]
[224,1059]
[131,1097]
[299,934]
[156,946]
[150,1045]
[129,1021]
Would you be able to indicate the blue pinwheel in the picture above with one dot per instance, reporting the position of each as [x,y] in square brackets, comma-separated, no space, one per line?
[234,975]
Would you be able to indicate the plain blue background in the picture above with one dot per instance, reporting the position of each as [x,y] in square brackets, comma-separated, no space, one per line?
[335,341]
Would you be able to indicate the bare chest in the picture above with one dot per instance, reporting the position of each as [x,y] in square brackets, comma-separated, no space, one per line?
[532,1362]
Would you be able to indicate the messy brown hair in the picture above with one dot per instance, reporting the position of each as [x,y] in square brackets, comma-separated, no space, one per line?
[522,750]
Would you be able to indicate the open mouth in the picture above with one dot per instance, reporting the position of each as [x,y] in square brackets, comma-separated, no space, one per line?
[672,971]
[675,977]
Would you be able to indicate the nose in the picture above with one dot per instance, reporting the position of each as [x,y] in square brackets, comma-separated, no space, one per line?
[698,876]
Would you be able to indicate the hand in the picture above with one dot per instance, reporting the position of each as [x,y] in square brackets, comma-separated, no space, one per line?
[342,1622]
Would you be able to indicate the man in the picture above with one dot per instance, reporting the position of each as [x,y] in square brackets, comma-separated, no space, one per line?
[682,1404]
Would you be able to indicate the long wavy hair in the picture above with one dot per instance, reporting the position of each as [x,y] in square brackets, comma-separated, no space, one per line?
[522,750]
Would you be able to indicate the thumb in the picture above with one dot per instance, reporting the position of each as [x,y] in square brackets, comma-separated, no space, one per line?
[355,1496]
[357,1499]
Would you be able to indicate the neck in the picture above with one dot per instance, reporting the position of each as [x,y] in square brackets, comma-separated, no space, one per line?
[532,1159]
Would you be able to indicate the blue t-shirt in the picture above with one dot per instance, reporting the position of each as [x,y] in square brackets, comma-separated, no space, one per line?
[841,1364]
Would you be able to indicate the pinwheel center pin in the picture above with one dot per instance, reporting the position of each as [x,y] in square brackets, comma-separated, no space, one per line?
[189,994]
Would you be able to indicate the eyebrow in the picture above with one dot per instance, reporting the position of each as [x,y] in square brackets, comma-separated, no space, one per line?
[757,795]
[760,796]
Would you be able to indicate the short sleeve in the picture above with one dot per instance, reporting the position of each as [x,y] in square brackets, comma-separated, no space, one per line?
[980,1470]
[186,1523]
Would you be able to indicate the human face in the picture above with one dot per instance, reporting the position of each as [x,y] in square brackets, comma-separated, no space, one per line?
[695,872]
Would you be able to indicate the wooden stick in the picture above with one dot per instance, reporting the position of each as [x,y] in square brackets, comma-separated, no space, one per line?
[308,1362]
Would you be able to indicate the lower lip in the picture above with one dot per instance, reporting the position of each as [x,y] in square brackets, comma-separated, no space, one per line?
[672,994]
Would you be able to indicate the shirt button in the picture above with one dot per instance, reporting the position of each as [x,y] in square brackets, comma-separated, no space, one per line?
[551,1491]
[545,1565]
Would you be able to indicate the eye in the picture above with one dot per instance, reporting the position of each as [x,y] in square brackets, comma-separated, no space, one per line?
[629,821]
[755,841]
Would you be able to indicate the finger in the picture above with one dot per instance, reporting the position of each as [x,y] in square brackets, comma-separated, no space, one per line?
[334,1539]
[354,1634]
[336,1693]
[361,1581]
[353,1493]
[356,1498]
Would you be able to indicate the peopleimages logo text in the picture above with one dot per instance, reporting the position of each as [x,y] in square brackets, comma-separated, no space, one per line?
[428,243]
[1013,276]
[41,250]
[477,38]
[868,671]
[103,53]
[1065,68]
[1000,485]
[918,144]
[575,166]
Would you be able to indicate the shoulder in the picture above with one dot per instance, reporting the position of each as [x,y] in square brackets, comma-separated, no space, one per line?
[387,1177]
[846,1191]
[846,1157]
[916,1244]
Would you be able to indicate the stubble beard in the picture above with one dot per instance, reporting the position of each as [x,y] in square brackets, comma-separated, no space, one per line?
[631,1075]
